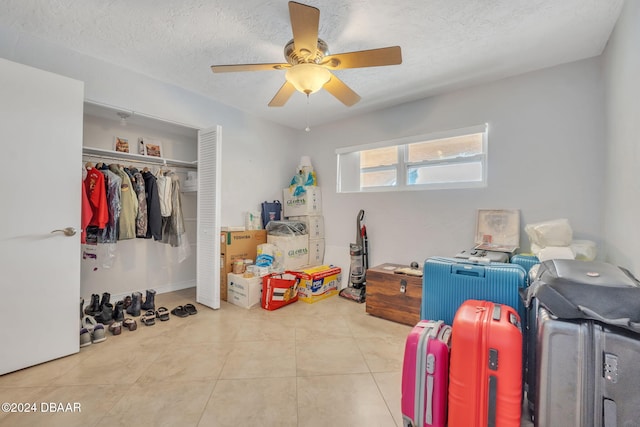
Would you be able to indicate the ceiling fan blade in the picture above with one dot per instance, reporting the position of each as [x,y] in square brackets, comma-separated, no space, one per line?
[337,88]
[283,95]
[304,24]
[364,58]
[247,67]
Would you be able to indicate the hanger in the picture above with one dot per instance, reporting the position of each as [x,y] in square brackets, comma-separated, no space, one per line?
[146,169]
[88,165]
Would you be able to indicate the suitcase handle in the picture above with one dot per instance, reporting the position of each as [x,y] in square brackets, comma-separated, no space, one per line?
[468,270]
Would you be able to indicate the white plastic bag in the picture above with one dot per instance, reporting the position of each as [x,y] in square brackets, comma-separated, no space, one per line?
[555,232]
[585,250]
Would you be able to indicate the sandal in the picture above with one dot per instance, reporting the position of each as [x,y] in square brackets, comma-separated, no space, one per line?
[179,311]
[190,308]
[149,318]
[130,324]
[163,314]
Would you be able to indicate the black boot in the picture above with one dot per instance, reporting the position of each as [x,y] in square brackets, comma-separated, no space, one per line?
[134,308]
[94,306]
[118,311]
[106,314]
[106,297]
[149,302]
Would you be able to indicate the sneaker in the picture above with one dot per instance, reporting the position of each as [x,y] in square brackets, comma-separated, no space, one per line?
[89,323]
[99,334]
[85,337]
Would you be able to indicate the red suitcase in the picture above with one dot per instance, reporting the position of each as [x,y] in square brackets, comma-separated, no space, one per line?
[424,375]
[485,376]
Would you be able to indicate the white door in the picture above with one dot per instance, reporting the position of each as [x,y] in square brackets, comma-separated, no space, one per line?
[208,235]
[40,189]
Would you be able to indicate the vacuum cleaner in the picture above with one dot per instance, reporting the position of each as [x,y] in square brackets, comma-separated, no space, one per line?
[359,251]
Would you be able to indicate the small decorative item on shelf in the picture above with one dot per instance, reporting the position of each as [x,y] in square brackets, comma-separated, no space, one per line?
[152,148]
[121,144]
[141,146]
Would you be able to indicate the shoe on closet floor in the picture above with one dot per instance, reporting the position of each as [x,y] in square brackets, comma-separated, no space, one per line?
[149,318]
[89,323]
[136,302]
[106,298]
[94,306]
[115,328]
[130,324]
[98,334]
[179,311]
[118,311]
[85,337]
[190,309]
[149,302]
[106,314]
[162,314]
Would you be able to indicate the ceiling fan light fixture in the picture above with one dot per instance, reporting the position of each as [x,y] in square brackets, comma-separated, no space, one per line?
[308,77]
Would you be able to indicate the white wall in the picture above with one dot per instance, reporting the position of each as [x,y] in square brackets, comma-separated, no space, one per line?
[546,145]
[622,189]
[258,157]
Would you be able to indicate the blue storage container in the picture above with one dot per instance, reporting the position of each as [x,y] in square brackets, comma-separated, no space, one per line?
[448,282]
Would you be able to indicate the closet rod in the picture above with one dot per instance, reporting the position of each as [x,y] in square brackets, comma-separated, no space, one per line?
[120,160]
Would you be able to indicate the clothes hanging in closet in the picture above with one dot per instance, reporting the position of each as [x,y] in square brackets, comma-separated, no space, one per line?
[164,192]
[141,218]
[154,216]
[134,208]
[96,193]
[113,183]
[173,226]
[129,205]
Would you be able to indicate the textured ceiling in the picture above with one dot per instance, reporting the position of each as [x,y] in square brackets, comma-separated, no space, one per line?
[446,44]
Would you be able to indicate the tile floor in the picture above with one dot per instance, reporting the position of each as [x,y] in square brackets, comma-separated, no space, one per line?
[322,364]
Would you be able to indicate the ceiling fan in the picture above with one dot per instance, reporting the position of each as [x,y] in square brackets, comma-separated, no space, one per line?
[309,64]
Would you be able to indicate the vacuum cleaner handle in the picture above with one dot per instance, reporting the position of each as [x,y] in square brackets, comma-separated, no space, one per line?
[359,218]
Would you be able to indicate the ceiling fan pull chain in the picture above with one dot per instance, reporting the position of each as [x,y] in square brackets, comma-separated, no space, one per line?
[307,129]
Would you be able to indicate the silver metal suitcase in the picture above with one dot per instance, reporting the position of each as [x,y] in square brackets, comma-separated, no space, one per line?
[588,374]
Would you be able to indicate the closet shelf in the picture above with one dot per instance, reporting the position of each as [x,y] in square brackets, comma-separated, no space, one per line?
[110,154]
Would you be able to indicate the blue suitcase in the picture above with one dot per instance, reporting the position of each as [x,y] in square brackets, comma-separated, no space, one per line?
[447,283]
[526,261]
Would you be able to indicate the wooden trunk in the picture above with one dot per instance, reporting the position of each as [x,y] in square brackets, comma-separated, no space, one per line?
[393,296]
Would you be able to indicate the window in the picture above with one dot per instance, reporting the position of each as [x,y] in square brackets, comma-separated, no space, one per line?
[450,159]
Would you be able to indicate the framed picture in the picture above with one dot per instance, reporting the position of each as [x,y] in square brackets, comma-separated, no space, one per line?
[152,148]
[121,144]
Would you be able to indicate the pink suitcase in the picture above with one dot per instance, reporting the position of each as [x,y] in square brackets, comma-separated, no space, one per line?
[425,373]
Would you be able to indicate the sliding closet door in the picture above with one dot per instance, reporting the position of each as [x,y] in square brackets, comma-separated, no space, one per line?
[209,161]
[40,189]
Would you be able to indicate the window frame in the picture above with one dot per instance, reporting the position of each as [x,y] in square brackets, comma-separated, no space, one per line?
[403,165]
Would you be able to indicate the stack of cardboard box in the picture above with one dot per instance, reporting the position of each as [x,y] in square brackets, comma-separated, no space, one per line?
[236,245]
[307,208]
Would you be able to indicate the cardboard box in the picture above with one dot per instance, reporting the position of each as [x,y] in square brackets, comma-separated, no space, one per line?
[244,291]
[295,250]
[237,245]
[316,251]
[318,283]
[314,223]
[309,203]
